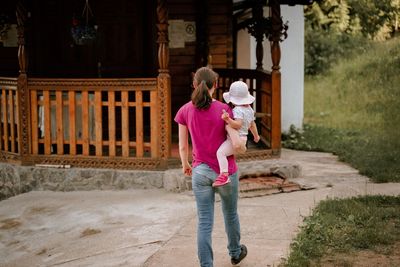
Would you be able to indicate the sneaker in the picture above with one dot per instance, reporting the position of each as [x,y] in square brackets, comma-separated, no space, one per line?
[221,180]
[243,254]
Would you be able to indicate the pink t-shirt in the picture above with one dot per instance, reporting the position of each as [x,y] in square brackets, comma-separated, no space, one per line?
[207,132]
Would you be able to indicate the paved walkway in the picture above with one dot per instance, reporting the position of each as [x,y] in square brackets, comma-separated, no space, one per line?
[158,228]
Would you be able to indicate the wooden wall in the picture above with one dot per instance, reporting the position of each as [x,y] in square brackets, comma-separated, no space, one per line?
[8,55]
[216,18]
[220,33]
[125,44]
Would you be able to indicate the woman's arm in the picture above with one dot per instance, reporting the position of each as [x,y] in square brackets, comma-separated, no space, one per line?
[184,149]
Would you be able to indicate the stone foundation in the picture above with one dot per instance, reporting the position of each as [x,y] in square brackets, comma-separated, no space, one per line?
[15,179]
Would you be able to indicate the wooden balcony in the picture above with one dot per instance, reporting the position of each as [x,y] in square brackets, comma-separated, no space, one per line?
[108,123]
[120,123]
[101,123]
[9,120]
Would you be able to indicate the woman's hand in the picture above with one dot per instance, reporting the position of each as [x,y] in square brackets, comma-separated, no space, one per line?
[256,138]
[187,169]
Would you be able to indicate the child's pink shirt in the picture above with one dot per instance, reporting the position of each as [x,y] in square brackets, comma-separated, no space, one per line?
[207,132]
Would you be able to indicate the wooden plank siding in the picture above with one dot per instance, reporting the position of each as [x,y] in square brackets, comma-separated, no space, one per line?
[220,33]
[183,60]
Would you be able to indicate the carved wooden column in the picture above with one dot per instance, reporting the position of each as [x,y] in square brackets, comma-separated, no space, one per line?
[258,15]
[163,84]
[275,38]
[23,99]
[257,26]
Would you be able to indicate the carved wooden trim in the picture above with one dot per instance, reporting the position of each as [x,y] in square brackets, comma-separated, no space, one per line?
[151,83]
[277,30]
[22,16]
[255,155]
[9,157]
[162,40]
[24,126]
[103,163]
[164,105]
[163,83]
[9,83]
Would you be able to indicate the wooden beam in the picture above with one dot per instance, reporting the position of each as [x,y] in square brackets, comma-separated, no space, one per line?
[98,120]
[35,122]
[72,122]
[125,123]
[111,124]
[276,25]
[59,123]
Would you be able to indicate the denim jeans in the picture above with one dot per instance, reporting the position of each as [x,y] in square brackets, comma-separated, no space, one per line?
[202,178]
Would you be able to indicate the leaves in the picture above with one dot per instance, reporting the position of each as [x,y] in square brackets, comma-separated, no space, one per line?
[333,27]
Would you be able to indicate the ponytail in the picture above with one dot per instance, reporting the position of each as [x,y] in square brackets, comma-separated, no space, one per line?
[204,80]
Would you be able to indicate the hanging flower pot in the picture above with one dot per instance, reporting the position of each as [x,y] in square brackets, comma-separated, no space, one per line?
[83,30]
[84,34]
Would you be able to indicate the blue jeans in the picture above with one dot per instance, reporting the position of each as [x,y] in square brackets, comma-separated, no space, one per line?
[202,178]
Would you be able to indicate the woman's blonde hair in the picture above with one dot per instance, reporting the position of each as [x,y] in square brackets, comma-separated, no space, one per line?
[203,80]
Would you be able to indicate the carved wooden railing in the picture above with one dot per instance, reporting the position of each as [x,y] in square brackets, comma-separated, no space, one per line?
[107,123]
[259,83]
[99,123]
[9,119]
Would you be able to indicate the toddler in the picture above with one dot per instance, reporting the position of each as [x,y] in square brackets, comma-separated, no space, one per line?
[237,128]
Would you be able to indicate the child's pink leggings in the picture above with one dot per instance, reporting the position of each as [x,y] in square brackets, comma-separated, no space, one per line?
[226,149]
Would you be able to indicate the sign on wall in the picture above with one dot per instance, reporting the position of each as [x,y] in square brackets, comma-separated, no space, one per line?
[180,32]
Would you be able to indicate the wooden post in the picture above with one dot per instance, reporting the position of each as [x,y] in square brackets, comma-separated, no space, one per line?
[163,84]
[23,99]
[258,15]
[275,38]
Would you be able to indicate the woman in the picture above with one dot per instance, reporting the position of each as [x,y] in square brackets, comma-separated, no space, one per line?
[201,117]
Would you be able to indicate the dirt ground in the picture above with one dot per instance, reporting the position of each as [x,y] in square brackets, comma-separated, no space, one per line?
[382,257]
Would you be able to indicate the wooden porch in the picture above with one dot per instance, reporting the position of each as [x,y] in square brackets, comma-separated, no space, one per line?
[123,123]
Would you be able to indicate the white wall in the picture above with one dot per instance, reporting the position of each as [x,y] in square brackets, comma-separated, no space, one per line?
[292,68]
[292,63]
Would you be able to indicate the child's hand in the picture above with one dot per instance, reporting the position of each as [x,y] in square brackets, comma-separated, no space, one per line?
[256,138]
[225,115]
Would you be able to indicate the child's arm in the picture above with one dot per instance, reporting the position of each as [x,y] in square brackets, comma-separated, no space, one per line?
[254,131]
[235,124]
[184,149]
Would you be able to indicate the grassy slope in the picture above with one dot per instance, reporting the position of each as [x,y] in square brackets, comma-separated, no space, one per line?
[347,226]
[354,111]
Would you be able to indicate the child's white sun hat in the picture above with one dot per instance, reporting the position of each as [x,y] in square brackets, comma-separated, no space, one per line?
[238,94]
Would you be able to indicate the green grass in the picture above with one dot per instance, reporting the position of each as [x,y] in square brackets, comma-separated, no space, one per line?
[346,226]
[354,112]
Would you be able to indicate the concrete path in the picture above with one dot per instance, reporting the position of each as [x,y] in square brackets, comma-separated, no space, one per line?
[158,228]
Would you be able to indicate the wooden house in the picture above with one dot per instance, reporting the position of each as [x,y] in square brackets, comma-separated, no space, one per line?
[97,83]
